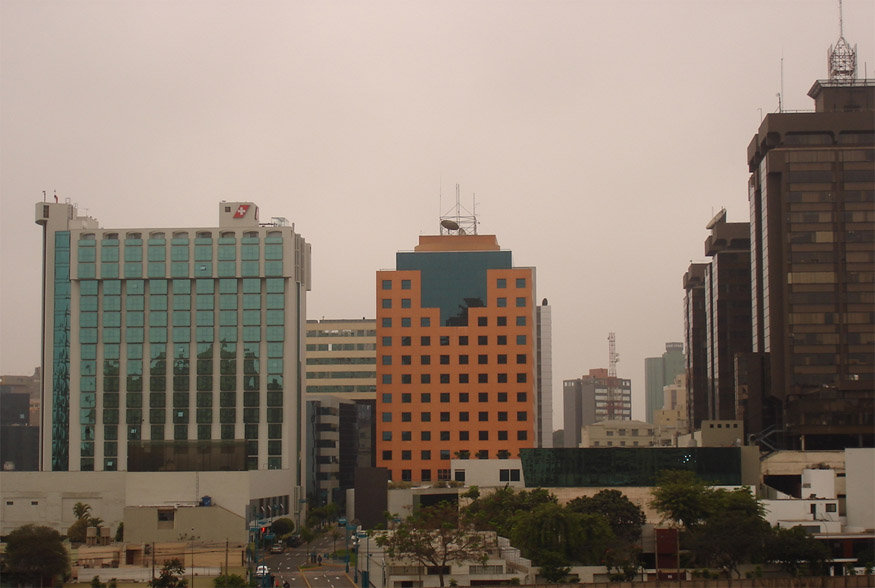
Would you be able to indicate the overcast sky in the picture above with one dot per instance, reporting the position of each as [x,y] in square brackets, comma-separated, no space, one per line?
[598,136]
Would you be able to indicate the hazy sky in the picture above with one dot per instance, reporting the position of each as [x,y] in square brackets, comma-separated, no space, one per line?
[598,136]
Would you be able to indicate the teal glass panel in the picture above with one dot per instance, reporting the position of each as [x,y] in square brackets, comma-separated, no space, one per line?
[227,253]
[275,301]
[204,334]
[274,333]
[274,237]
[274,349]
[133,253]
[109,270]
[181,287]
[227,415]
[181,302]
[155,270]
[87,335]
[251,317]
[179,252]
[273,268]
[135,287]
[158,302]
[227,318]
[88,319]
[88,383]
[135,351]
[275,317]
[134,334]
[251,286]
[88,351]
[275,285]
[88,288]
[251,333]
[203,253]
[135,302]
[226,268]
[178,269]
[205,286]
[228,301]
[273,252]
[249,252]
[274,415]
[250,382]
[157,335]
[88,400]
[251,301]
[204,302]
[181,318]
[158,287]
[112,287]
[157,253]
[157,319]
[109,253]
[227,334]
[87,254]
[134,318]
[250,415]
[85,271]
[181,334]
[204,318]
[112,335]
[113,303]
[249,268]
[624,466]
[227,286]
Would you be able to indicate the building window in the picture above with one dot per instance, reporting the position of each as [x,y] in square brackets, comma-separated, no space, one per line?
[483,435]
[425,435]
[501,302]
[463,360]
[445,417]
[502,416]
[425,455]
[406,417]
[482,416]
[425,378]
[460,475]
[425,359]
[521,321]
[445,435]
[426,417]
[463,435]
[483,397]
[463,397]
[483,378]
[445,378]
[521,435]
[502,340]
[482,321]
[387,456]
[445,396]
[405,303]
[425,341]
[482,359]
[406,455]
[520,339]
[520,282]
[387,284]
[445,360]
[463,378]
[502,435]
[426,475]
[521,396]
[386,303]
[463,340]
[405,322]
[406,436]
[501,283]
[387,323]
[463,417]
[521,302]
[405,284]
[521,378]
[424,321]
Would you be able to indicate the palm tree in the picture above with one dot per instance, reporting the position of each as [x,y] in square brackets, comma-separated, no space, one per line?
[335,535]
[95,521]
[81,510]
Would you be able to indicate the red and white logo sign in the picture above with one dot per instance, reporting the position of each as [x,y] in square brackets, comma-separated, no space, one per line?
[241,211]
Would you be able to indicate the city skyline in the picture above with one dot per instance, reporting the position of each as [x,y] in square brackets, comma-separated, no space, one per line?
[608,133]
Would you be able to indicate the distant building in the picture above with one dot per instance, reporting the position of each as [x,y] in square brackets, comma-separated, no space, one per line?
[342,358]
[627,433]
[727,310]
[695,342]
[593,398]
[674,413]
[660,372]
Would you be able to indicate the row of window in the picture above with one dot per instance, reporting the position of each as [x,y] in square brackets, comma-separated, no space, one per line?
[180,237]
[443,454]
[508,475]
[500,302]
[463,416]
[499,283]
[462,436]
[521,378]
[482,359]
[444,397]
[424,321]
[425,340]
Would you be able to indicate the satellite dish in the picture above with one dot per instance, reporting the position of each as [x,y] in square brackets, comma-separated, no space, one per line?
[450,225]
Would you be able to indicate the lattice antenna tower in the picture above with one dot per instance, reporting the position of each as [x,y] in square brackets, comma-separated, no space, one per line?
[458,220]
[842,58]
[613,356]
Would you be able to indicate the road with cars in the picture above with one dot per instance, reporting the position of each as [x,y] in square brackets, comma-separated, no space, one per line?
[285,567]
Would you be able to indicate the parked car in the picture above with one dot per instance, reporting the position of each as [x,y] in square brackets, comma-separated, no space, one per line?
[262,571]
[277,548]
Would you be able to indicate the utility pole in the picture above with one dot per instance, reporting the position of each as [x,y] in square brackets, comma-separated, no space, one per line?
[153,560]
[226,557]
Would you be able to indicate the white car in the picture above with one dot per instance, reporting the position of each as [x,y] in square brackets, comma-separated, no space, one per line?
[262,571]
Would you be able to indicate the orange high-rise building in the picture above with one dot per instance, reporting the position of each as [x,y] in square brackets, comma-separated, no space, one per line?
[456,353]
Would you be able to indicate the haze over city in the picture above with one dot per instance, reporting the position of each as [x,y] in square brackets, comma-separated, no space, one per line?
[597,138]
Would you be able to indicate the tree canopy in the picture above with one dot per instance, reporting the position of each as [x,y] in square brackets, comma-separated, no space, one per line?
[435,537]
[495,511]
[624,516]
[35,554]
[172,575]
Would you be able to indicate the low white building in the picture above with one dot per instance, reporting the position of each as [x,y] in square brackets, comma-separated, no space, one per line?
[503,565]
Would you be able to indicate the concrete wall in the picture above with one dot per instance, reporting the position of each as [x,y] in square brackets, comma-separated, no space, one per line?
[206,523]
[486,472]
[47,498]
[859,482]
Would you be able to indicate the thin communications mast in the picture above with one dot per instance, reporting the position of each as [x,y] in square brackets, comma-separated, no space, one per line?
[615,400]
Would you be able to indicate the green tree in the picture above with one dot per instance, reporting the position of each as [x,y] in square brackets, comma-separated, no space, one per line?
[794,548]
[36,555]
[682,497]
[435,537]
[732,532]
[624,516]
[307,536]
[81,510]
[120,533]
[77,532]
[282,527]
[172,575]
[230,581]
[496,511]
[551,530]
[335,534]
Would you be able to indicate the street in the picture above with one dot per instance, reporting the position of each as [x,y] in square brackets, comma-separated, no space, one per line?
[332,574]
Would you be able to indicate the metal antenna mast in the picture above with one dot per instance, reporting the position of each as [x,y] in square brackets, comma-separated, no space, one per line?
[613,357]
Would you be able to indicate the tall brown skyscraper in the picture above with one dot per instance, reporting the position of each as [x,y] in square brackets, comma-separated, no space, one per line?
[812,212]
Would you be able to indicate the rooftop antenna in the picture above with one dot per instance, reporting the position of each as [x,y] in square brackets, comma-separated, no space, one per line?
[458,220]
[842,58]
